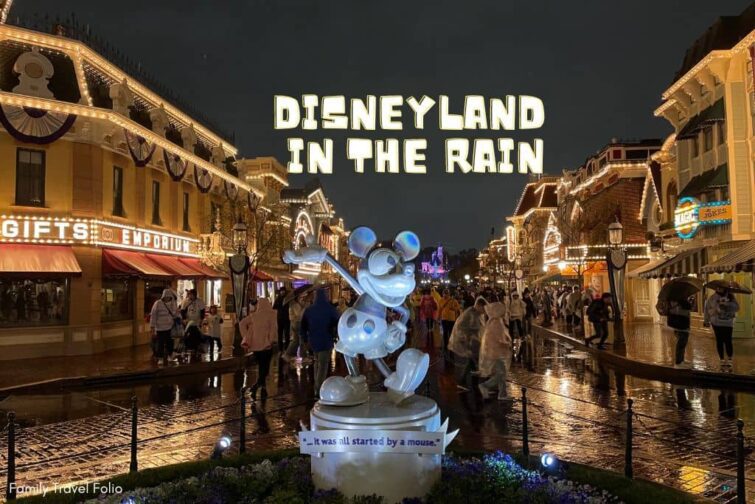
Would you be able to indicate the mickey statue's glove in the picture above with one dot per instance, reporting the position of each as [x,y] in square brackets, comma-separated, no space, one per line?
[396,336]
[312,253]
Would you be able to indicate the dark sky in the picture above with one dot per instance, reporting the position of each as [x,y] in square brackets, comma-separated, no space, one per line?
[600,68]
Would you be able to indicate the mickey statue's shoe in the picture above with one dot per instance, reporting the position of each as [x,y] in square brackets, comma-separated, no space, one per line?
[411,368]
[344,391]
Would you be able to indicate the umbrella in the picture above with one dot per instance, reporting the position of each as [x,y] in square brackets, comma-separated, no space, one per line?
[680,289]
[304,289]
[729,285]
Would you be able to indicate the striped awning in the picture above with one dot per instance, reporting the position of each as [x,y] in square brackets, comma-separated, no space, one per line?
[651,265]
[684,263]
[742,259]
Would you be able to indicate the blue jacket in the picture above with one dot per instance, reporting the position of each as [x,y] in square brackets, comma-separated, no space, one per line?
[319,323]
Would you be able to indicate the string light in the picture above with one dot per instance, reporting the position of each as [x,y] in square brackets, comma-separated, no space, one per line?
[73,47]
[128,124]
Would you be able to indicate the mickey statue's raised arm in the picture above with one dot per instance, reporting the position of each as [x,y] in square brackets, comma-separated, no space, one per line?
[384,279]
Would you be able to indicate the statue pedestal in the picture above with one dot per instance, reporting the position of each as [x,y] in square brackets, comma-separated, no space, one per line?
[390,460]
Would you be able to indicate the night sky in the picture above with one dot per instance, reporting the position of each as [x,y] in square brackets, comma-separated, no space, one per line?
[600,68]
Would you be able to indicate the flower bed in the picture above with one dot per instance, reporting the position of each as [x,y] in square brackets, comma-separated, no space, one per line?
[491,478]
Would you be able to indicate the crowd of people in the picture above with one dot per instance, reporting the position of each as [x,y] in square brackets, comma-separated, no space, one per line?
[479,331]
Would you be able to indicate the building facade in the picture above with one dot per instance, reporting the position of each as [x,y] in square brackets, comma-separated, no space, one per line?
[706,200]
[108,189]
[528,226]
[607,188]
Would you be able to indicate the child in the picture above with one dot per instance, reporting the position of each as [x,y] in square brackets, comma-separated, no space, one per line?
[214,322]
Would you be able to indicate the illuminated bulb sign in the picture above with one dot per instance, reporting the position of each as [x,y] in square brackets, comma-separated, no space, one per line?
[73,231]
[690,214]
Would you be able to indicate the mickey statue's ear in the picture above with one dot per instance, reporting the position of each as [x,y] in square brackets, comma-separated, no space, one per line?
[406,244]
[361,241]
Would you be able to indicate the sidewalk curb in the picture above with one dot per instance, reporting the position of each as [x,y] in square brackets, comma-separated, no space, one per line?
[128,378]
[647,370]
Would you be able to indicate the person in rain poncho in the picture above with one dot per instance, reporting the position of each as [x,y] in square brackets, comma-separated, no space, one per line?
[495,351]
[720,311]
[465,338]
[259,330]
[162,318]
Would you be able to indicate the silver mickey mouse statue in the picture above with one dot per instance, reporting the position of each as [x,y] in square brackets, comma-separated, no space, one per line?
[384,279]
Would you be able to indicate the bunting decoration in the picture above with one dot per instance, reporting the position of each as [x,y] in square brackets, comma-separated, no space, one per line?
[36,126]
[203,179]
[176,166]
[141,150]
[231,190]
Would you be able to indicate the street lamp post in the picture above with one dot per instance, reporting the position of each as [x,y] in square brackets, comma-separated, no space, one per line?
[238,264]
[616,259]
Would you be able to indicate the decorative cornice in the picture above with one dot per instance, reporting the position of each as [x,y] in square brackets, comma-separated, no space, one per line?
[124,122]
[78,51]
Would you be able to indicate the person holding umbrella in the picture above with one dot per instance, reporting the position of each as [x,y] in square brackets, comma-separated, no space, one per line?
[673,302]
[720,311]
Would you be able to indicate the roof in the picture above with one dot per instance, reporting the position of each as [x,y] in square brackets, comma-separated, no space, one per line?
[98,56]
[717,177]
[655,174]
[537,195]
[723,34]
[300,193]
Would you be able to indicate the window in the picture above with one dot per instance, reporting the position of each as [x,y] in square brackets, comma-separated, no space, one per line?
[33,302]
[30,177]
[186,226]
[116,299]
[156,203]
[695,146]
[118,192]
[721,127]
[708,138]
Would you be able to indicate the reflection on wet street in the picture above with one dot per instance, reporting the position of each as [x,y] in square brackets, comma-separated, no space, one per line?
[682,437]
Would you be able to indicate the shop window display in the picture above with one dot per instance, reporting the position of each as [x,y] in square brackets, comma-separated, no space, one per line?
[33,302]
[153,289]
[117,299]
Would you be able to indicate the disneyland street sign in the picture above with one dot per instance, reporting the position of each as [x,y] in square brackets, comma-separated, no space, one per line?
[690,214]
[83,231]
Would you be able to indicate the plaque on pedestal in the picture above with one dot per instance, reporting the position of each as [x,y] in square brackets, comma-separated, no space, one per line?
[377,447]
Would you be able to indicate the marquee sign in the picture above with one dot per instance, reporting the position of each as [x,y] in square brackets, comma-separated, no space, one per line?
[94,232]
[690,214]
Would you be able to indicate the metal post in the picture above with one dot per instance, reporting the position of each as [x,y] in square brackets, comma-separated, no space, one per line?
[628,471]
[10,489]
[741,488]
[525,433]
[134,466]
[242,425]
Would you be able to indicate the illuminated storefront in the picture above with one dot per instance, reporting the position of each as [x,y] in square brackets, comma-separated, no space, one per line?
[108,190]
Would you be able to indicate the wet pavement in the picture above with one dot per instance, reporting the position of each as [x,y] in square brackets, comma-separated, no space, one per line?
[655,344]
[124,360]
[683,437]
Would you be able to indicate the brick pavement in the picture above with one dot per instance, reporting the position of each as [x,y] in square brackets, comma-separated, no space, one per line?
[686,440]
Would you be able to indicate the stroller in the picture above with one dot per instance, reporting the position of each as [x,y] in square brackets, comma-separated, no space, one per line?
[191,341]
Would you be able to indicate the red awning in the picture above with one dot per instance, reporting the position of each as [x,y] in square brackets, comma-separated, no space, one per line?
[123,262]
[172,265]
[38,259]
[260,276]
[204,271]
